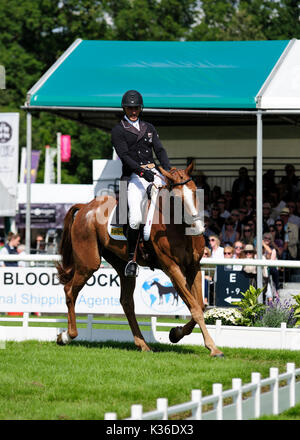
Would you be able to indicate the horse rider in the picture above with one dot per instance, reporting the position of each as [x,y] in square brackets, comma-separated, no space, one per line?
[134,141]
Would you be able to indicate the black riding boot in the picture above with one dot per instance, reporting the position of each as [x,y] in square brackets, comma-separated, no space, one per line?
[131,269]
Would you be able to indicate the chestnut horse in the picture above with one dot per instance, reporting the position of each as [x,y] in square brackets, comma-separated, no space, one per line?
[85,240]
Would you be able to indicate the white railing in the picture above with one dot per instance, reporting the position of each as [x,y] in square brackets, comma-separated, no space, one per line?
[242,407]
[204,261]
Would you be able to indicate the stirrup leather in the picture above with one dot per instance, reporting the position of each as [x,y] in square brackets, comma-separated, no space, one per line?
[131,269]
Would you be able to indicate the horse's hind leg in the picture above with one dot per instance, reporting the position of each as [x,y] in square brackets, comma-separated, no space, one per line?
[72,290]
[177,333]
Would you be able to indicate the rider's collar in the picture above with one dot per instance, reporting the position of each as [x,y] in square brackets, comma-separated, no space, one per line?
[136,124]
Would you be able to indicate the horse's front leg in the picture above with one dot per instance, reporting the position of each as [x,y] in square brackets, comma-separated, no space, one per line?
[126,299]
[127,302]
[193,299]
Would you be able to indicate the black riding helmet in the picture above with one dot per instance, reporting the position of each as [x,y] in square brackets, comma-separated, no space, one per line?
[132,98]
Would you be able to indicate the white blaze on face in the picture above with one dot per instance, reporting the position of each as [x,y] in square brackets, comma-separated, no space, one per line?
[192,210]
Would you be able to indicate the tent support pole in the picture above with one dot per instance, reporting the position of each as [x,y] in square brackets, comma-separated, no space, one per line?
[259,196]
[28,181]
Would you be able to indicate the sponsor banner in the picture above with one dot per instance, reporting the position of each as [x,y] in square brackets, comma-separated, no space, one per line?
[36,289]
[9,157]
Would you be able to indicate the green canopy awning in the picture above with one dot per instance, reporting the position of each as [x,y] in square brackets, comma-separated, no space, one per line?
[168,74]
[88,80]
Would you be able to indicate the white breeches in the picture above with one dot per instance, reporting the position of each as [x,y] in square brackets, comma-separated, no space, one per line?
[137,197]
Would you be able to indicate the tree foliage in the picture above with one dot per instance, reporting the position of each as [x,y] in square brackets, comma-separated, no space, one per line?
[34,33]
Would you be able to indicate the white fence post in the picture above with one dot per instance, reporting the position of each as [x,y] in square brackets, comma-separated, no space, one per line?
[275,389]
[162,405]
[197,398]
[110,416]
[25,324]
[136,412]
[217,391]
[290,368]
[256,378]
[237,385]
[90,327]
[218,331]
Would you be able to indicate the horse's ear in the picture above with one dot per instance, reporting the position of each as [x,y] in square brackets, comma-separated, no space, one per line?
[166,173]
[189,168]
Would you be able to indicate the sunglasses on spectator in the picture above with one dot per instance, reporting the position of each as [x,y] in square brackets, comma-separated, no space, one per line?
[238,247]
[212,239]
[278,224]
[249,252]
[227,253]
[247,230]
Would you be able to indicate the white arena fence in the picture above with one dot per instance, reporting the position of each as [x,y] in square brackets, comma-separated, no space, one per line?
[224,336]
[242,407]
[271,395]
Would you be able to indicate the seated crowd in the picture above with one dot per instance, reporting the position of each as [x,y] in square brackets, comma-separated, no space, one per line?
[230,219]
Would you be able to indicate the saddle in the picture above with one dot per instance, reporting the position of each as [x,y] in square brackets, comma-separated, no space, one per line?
[117,228]
[118,220]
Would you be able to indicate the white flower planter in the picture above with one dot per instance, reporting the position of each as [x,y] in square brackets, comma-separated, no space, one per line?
[237,336]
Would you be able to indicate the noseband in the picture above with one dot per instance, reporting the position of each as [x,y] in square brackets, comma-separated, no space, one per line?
[180,183]
[192,218]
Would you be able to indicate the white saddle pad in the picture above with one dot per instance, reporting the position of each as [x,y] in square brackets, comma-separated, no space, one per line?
[115,230]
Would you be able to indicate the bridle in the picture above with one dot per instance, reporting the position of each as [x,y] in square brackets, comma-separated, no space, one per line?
[192,218]
[172,184]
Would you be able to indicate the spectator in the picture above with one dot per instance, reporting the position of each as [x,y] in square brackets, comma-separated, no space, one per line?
[215,194]
[243,217]
[208,231]
[289,183]
[272,231]
[249,204]
[269,181]
[243,184]
[238,247]
[267,219]
[40,244]
[217,251]
[281,239]
[229,235]
[236,217]
[293,233]
[208,278]
[250,271]
[247,235]
[228,252]
[228,201]
[292,208]
[297,210]
[10,248]
[270,253]
[216,222]
[21,251]
[221,204]
[201,183]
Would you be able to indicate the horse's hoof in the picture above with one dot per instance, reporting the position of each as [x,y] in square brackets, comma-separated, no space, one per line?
[175,334]
[218,355]
[63,338]
[59,340]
